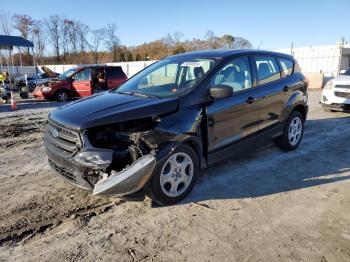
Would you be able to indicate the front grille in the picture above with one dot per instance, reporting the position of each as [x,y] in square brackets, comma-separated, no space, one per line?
[62,170]
[61,141]
[342,86]
[342,94]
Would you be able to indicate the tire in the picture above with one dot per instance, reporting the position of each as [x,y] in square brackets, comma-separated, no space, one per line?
[293,132]
[171,183]
[61,96]
[31,87]
[24,95]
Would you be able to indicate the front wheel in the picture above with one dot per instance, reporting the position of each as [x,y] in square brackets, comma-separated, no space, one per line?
[175,177]
[292,132]
[62,96]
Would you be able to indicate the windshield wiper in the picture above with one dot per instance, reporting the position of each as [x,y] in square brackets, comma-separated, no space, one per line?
[137,94]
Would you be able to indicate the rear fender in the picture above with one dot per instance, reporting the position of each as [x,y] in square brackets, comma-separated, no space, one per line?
[297,98]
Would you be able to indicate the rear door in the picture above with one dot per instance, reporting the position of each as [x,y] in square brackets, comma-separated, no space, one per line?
[115,77]
[82,84]
[271,88]
[233,121]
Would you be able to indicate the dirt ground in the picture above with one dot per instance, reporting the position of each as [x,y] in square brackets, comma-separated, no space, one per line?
[265,206]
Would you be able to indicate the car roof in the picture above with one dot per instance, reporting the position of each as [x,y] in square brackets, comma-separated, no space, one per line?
[223,53]
[80,67]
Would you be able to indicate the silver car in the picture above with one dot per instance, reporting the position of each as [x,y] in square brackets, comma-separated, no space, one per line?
[336,93]
[36,79]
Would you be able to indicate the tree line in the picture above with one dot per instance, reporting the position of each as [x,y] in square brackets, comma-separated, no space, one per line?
[58,39]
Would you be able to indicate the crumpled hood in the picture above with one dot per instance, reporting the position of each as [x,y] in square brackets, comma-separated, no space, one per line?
[108,108]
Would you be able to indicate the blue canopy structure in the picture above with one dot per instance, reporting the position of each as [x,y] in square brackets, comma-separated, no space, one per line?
[8,41]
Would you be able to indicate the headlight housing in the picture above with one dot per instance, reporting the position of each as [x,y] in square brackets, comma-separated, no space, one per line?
[46,89]
[329,85]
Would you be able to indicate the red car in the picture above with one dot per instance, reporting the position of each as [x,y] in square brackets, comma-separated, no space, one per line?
[81,82]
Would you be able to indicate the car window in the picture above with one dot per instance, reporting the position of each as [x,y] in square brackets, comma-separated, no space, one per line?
[287,66]
[236,74]
[114,72]
[194,71]
[83,75]
[162,76]
[268,70]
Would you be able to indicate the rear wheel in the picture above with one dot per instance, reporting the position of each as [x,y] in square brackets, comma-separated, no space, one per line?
[175,177]
[292,132]
[61,96]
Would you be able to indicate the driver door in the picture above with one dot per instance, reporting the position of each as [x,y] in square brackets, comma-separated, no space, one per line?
[82,84]
[233,122]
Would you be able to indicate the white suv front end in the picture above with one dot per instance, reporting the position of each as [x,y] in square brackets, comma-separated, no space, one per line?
[336,93]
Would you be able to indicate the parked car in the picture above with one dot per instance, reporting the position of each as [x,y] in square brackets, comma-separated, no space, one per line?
[336,93]
[5,92]
[36,79]
[81,82]
[154,133]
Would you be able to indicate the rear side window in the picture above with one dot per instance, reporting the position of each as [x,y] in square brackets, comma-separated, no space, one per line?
[286,66]
[114,72]
[83,75]
[268,70]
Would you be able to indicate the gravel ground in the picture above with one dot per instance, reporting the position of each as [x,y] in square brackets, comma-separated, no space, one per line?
[266,206]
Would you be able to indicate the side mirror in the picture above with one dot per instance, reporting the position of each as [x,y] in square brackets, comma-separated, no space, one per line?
[342,72]
[220,91]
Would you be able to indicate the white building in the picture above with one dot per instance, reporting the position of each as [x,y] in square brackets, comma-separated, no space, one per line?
[327,59]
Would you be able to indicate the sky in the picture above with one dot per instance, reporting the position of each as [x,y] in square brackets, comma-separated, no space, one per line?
[277,24]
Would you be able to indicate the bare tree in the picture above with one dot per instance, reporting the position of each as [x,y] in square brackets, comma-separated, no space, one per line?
[227,41]
[82,31]
[6,23]
[177,36]
[241,43]
[168,40]
[38,34]
[64,29]
[23,24]
[53,28]
[112,41]
[97,36]
[73,35]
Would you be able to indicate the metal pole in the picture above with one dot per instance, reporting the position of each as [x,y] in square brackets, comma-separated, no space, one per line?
[20,59]
[36,80]
[8,67]
[0,61]
[13,67]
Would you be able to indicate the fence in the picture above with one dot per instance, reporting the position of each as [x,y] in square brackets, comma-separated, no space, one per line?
[329,59]
[129,68]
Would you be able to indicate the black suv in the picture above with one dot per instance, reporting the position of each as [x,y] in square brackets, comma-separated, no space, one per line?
[154,133]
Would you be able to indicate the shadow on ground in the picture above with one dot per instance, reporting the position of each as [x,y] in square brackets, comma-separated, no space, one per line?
[24,105]
[323,157]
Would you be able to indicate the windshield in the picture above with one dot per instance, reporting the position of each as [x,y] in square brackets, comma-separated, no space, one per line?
[67,74]
[168,78]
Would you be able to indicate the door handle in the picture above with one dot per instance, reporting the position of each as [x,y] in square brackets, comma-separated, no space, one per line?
[251,100]
[285,89]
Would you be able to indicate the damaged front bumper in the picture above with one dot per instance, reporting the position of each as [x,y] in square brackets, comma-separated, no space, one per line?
[129,180]
[77,169]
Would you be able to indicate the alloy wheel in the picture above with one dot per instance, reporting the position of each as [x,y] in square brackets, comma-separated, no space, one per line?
[295,130]
[176,174]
